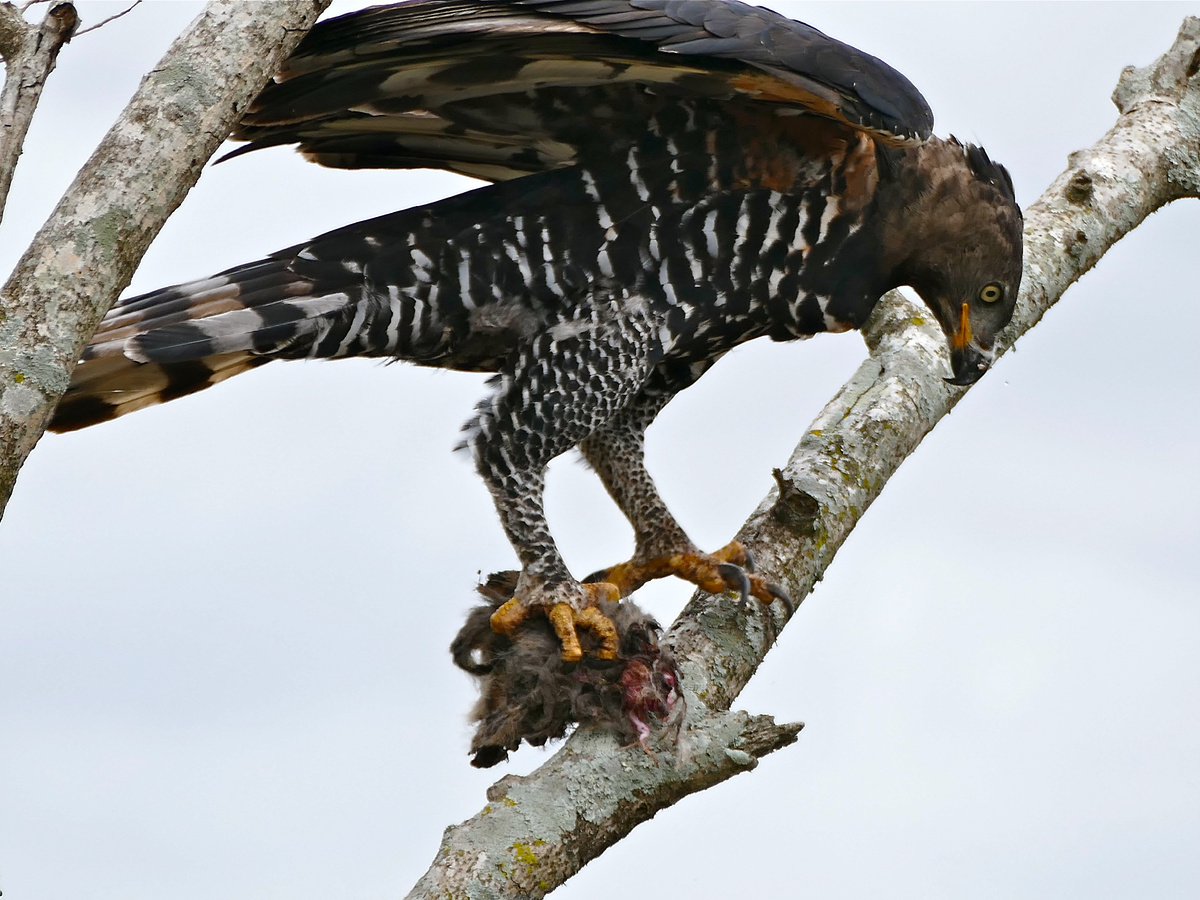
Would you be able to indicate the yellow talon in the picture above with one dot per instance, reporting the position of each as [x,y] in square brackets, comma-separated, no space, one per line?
[604,630]
[506,619]
[565,620]
[702,570]
[562,618]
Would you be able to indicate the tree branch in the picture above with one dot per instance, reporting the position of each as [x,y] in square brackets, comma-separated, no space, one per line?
[126,11]
[29,57]
[539,830]
[87,251]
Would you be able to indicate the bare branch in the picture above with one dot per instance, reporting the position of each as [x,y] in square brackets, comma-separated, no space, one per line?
[577,813]
[541,829]
[30,55]
[130,8]
[87,251]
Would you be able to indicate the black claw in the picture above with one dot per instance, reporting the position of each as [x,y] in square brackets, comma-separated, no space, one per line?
[779,593]
[749,565]
[596,577]
[736,575]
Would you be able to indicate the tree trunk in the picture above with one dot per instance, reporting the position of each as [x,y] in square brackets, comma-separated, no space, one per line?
[87,251]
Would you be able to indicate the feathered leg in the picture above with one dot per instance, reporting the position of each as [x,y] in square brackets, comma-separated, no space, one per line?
[616,452]
[568,381]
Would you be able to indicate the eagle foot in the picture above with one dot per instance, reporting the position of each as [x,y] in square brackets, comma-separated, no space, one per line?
[729,569]
[566,618]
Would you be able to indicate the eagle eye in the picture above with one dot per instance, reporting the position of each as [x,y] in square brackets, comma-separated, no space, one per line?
[992,292]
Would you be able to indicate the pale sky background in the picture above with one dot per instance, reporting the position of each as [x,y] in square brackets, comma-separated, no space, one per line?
[224,621]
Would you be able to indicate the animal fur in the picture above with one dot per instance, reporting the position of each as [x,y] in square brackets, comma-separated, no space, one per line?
[528,693]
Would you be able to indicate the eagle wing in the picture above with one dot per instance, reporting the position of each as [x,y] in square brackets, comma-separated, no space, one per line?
[497,89]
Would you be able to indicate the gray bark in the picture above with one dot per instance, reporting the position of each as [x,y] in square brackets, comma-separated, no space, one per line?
[87,251]
[539,830]
[30,53]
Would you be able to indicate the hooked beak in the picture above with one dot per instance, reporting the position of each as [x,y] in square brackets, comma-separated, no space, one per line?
[968,360]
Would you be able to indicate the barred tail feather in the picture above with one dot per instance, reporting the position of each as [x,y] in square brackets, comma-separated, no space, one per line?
[179,340]
[128,387]
[401,286]
[274,329]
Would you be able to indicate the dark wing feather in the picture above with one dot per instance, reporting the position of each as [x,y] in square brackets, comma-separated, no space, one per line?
[867,93]
[500,89]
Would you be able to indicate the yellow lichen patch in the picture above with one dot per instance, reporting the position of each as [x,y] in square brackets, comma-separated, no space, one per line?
[523,853]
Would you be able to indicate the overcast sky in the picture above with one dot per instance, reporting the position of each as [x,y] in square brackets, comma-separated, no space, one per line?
[224,621]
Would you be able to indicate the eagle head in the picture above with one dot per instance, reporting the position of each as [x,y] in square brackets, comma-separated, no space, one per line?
[957,243]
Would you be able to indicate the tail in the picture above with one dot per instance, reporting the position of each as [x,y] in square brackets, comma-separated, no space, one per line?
[409,285]
[316,300]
